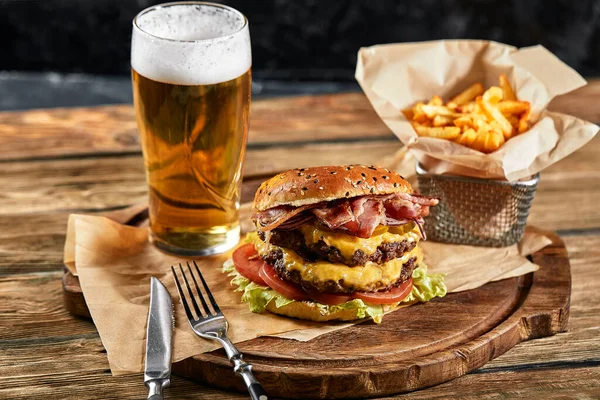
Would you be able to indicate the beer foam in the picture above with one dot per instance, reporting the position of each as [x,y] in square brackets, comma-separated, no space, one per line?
[190,44]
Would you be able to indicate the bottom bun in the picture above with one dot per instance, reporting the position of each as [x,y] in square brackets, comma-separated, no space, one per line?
[310,311]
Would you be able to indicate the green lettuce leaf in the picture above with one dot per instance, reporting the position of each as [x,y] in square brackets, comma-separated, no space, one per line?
[425,287]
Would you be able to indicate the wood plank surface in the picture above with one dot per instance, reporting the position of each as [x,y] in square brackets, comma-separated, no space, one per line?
[88,160]
[35,363]
[100,183]
[70,132]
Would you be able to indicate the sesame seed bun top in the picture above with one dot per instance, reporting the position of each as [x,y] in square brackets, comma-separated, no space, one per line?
[303,186]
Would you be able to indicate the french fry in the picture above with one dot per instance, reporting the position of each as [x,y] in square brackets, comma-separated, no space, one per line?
[513,107]
[496,126]
[467,138]
[493,141]
[445,132]
[524,122]
[493,95]
[480,123]
[481,120]
[465,108]
[466,96]
[436,101]
[432,111]
[464,121]
[479,142]
[507,90]
[418,113]
[513,119]
[494,114]
[440,120]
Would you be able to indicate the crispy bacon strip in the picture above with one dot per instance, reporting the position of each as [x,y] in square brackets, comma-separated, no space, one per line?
[358,216]
[335,215]
[273,217]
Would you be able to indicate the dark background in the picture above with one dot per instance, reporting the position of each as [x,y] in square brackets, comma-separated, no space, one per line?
[298,45]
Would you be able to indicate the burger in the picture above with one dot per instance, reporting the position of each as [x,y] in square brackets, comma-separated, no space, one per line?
[335,243]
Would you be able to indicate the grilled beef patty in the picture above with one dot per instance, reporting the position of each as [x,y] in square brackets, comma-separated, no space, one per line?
[275,258]
[294,240]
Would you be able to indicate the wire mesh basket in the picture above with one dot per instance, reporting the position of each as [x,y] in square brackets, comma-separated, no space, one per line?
[477,212]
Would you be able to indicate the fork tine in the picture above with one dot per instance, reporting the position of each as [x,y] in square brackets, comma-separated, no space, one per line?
[207,290]
[204,305]
[188,312]
[193,298]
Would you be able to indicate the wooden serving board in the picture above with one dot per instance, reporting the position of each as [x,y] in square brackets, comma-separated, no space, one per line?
[415,347]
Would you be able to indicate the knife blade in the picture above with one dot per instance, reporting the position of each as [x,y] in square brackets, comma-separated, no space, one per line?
[159,336]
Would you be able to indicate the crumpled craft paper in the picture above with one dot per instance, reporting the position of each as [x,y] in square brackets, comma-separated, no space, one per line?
[114,263]
[396,76]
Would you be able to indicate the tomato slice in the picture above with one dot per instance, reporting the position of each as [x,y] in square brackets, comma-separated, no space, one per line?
[288,289]
[331,299]
[248,263]
[395,295]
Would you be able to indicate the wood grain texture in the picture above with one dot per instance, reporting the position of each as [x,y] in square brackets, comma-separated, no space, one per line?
[408,351]
[45,352]
[563,366]
[85,185]
[106,182]
[113,130]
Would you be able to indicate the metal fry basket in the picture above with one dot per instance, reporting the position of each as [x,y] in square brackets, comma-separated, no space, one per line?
[477,212]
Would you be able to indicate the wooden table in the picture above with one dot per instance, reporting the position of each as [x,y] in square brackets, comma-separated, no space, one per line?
[87,160]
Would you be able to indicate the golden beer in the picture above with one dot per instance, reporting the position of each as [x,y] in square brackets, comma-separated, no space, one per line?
[193,124]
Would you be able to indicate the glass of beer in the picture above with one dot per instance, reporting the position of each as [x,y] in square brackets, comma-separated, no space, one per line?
[191,77]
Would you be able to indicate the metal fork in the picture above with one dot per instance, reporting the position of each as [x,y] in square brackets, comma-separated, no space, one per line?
[211,324]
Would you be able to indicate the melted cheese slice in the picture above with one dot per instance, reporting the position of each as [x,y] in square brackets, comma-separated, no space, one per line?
[348,244]
[368,277]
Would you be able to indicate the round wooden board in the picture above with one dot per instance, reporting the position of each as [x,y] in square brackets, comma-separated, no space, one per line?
[413,348]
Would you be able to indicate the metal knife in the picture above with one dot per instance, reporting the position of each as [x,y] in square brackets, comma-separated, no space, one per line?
[159,336]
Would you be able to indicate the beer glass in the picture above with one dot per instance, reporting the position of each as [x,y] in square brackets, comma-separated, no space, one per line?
[190,66]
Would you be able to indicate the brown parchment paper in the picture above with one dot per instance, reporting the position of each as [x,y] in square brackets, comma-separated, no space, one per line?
[114,263]
[396,76]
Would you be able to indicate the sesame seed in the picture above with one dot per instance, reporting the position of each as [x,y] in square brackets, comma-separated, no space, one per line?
[281,176]
[373,168]
[348,168]
[374,179]
[395,184]
[304,188]
[347,194]
[302,192]
[363,174]
[302,169]
[308,176]
[333,172]
[269,193]
[316,181]
[300,174]
[385,177]
[320,187]
[372,190]
[358,182]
